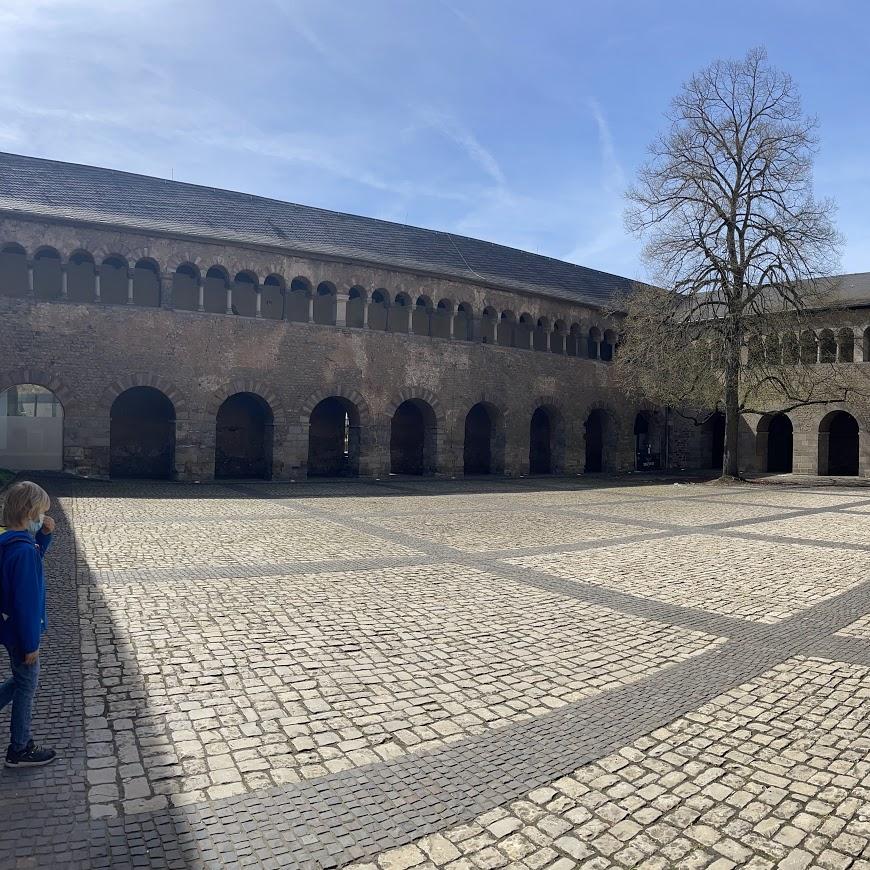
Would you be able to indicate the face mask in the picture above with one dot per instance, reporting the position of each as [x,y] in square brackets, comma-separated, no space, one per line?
[35,525]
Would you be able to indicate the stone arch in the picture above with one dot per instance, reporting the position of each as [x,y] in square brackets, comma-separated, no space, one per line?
[416,424]
[507,323]
[421,317]
[839,444]
[649,437]
[755,350]
[573,345]
[558,337]
[713,441]
[324,303]
[865,346]
[41,378]
[772,349]
[593,343]
[14,280]
[791,352]
[483,439]
[338,422]
[827,346]
[775,443]
[809,349]
[244,430]
[142,431]
[547,436]
[488,325]
[442,320]
[541,340]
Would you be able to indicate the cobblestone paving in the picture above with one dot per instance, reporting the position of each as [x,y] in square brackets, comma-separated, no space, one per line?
[484,674]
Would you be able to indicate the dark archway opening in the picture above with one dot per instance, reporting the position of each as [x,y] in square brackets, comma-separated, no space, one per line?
[412,438]
[780,443]
[243,438]
[142,435]
[839,434]
[334,439]
[477,450]
[594,430]
[716,429]
[541,443]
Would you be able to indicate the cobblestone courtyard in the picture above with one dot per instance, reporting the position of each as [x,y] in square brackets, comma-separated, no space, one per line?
[528,674]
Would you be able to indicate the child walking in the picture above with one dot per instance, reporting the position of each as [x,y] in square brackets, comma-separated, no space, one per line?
[23,543]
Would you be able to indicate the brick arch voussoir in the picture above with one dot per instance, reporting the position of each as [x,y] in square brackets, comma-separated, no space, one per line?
[615,421]
[247,385]
[353,396]
[425,395]
[41,378]
[139,379]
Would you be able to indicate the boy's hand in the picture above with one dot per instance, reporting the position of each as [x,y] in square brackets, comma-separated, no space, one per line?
[30,658]
[48,525]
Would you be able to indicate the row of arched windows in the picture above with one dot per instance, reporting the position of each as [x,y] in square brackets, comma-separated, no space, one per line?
[809,347]
[216,291]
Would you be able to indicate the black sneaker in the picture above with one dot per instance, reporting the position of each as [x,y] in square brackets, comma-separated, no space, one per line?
[30,756]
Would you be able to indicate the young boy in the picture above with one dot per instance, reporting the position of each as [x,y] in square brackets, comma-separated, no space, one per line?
[23,543]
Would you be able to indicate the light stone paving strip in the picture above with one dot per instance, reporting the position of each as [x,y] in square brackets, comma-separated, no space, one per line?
[359,812]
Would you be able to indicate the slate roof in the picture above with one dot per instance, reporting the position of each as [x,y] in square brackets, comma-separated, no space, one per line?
[851,289]
[69,191]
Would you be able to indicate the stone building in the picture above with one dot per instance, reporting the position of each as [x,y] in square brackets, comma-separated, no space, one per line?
[158,329]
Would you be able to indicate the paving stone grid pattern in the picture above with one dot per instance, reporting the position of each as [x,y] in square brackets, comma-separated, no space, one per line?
[526,674]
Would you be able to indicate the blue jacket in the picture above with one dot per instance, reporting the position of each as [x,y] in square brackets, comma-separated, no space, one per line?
[22,590]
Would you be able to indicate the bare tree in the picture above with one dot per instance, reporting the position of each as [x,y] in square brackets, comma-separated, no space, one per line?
[734,233]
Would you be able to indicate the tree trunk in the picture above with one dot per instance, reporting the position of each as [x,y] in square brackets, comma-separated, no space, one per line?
[731,461]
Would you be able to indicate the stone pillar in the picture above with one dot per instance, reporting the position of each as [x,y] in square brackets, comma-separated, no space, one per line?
[451,325]
[200,294]
[130,274]
[259,297]
[31,287]
[64,283]
[365,312]
[341,300]
[229,298]
[97,289]
[166,290]
[311,308]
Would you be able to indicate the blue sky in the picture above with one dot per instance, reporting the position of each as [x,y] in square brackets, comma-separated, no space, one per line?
[518,122]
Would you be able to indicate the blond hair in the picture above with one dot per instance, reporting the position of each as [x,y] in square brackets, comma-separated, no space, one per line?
[23,500]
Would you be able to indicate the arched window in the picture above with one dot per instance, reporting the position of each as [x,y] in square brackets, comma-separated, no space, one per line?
[357,301]
[243,437]
[593,342]
[81,277]
[146,283]
[441,319]
[13,271]
[297,300]
[542,334]
[420,322]
[379,309]
[772,349]
[324,304]
[506,327]
[574,338]
[827,346]
[608,345]
[245,294]
[755,350]
[272,298]
[185,287]
[557,339]
[845,345]
[215,290]
[113,280]
[839,445]
[790,349]
[400,313]
[809,348]
[463,328]
[413,438]
[334,439]
[31,429]
[488,325]
[47,274]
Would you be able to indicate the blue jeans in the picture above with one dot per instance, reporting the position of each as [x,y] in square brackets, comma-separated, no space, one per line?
[20,689]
